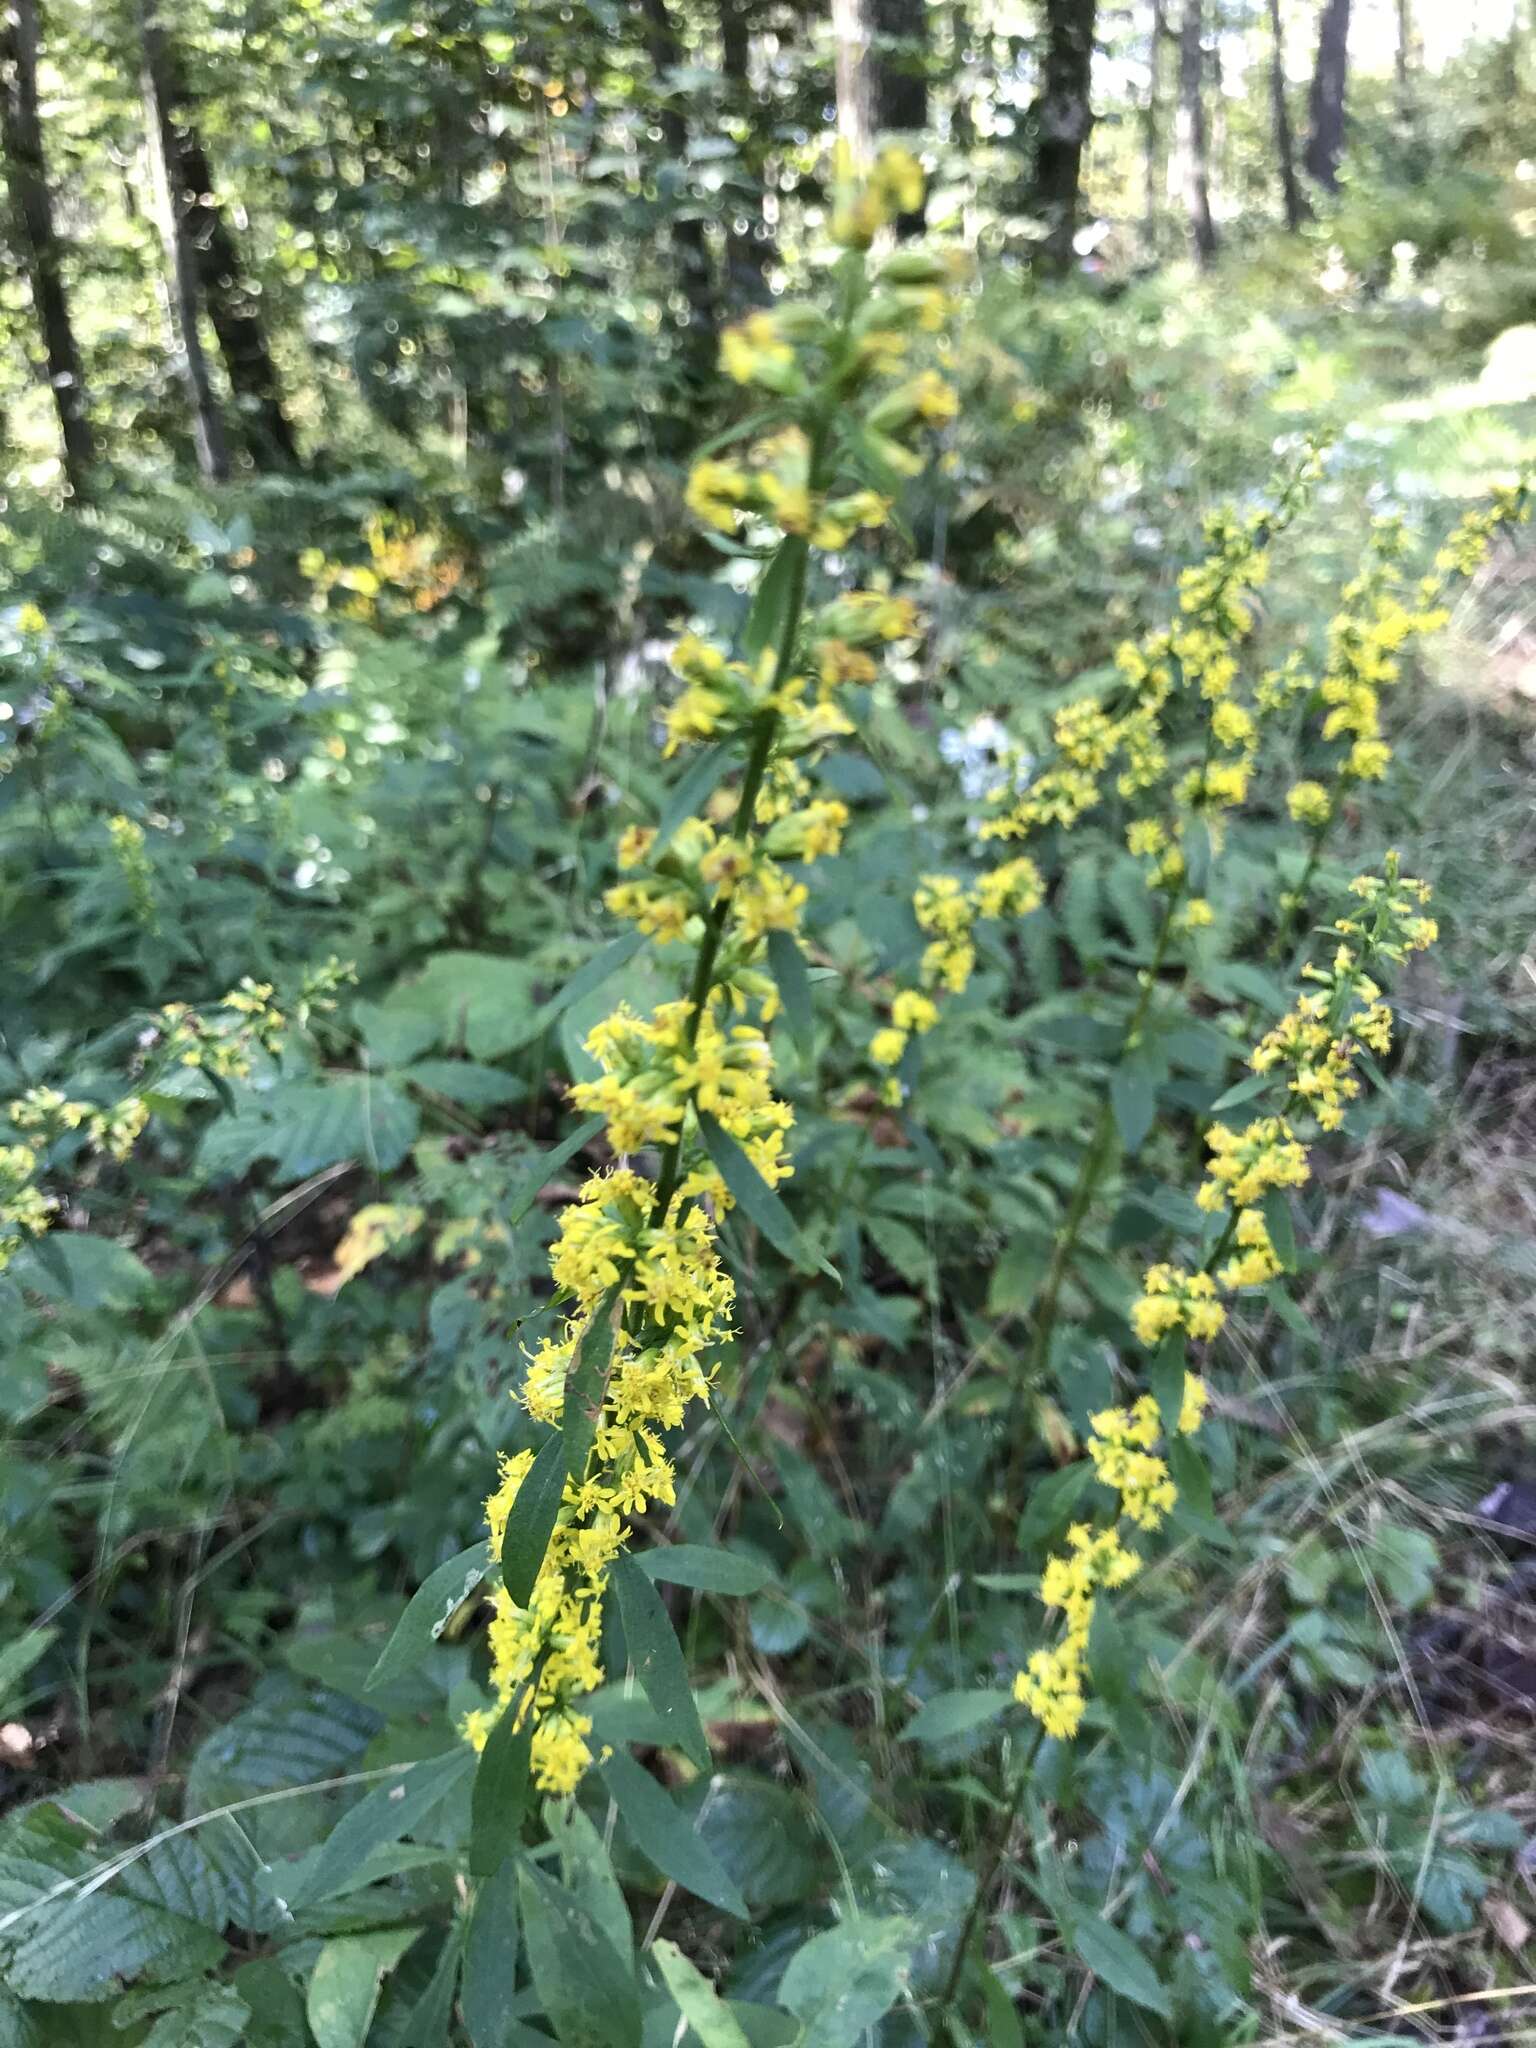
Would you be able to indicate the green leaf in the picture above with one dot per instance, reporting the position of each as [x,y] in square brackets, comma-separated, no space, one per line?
[502,1790]
[532,1519]
[587,1991]
[841,1982]
[1278,1222]
[548,1166]
[488,1992]
[705,1568]
[604,963]
[586,1871]
[664,1834]
[320,1124]
[1051,1501]
[1004,2027]
[348,1976]
[463,1082]
[431,1606]
[704,775]
[17,1658]
[658,1661]
[757,1200]
[1133,1097]
[390,1811]
[776,593]
[584,1386]
[954,1713]
[82,1271]
[1239,1093]
[429,2023]
[794,984]
[1167,1380]
[1116,1961]
[700,2004]
[83,1949]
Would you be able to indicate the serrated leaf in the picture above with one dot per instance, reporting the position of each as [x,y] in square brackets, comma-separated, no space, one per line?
[955,1713]
[700,2004]
[428,1613]
[666,1836]
[585,1988]
[658,1659]
[705,1568]
[80,1950]
[757,1201]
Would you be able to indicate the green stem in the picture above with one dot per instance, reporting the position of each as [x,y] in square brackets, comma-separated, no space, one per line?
[1089,1175]
[984,1883]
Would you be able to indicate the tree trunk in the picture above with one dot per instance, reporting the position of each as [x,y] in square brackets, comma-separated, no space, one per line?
[695,272]
[1325,140]
[1403,55]
[1193,137]
[234,306]
[26,172]
[1151,128]
[855,92]
[1285,147]
[746,248]
[208,436]
[1062,116]
[899,86]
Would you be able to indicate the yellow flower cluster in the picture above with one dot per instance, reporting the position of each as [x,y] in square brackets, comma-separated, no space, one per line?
[224,1045]
[127,839]
[1122,1445]
[1315,1046]
[44,1116]
[636,1259]
[947,911]
[1379,618]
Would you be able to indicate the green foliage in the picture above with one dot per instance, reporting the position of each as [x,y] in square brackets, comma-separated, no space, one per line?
[391,708]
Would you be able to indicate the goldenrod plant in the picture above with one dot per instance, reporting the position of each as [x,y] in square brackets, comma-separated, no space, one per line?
[686,1095]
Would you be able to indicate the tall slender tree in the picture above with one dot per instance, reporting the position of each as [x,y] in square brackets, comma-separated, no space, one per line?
[1285,147]
[1330,79]
[746,233]
[1062,116]
[1152,126]
[232,300]
[1194,144]
[695,269]
[39,247]
[208,435]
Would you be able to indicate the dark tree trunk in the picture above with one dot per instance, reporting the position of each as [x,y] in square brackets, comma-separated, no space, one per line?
[695,272]
[1285,147]
[1330,77]
[234,307]
[1062,117]
[900,78]
[746,247]
[208,436]
[1194,137]
[26,172]
[1402,56]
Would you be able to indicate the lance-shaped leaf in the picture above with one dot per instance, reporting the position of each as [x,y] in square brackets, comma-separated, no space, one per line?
[658,1660]
[752,1194]
[428,1614]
